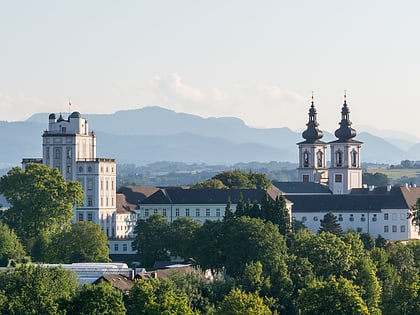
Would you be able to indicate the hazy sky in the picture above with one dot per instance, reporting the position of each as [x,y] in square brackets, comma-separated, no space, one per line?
[256,60]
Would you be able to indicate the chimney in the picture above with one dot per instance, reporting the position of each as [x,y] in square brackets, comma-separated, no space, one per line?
[388,188]
[371,188]
[132,274]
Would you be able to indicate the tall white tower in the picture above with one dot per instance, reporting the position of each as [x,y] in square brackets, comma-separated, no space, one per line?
[69,146]
[345,171]
[312,152]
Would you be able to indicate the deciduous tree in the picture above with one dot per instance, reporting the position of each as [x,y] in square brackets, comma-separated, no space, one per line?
[41,201]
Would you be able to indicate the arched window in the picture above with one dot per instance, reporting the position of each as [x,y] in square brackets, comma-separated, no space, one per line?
[339,158]
[57,153]
[319,157]
[354,158]
[306,159]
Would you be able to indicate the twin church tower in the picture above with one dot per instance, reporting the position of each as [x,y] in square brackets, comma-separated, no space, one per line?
[344,171]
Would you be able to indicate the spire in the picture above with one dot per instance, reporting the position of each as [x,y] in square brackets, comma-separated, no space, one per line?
[345,132]
[312,132]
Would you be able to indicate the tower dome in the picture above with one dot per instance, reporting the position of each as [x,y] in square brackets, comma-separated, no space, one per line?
[345,132]
[312,132]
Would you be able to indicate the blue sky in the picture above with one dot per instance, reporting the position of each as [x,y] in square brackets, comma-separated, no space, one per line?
[256,60]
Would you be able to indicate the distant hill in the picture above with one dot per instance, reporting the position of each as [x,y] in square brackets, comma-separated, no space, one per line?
[152,134]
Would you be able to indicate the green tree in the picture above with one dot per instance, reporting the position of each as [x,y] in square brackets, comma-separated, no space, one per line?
[81,242]
[37,290]
[368,240]
[375,179]
[415,213]
[281,216]
[211,183]
[249,240]
[156,297]
[10,246]
[151,240]
[240,206]
[238,179]
[330,224]
[181,238]
[238,302]
[41,201]
[228,210]
[328,254]
[101,299]
[331,297]
[253,279]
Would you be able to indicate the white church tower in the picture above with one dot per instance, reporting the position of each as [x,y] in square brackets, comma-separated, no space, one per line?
[312,152]
[345,171]
[69,146]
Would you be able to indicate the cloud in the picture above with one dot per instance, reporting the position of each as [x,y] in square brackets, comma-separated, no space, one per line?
[172,87]
[279,94]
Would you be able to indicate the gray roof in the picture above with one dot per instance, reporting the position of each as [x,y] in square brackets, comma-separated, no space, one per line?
[361,200]
[206,196]
[301,188]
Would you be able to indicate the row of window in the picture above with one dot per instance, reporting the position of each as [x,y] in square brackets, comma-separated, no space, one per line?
[363,217]
[394,228]
[124,247]
[187,212]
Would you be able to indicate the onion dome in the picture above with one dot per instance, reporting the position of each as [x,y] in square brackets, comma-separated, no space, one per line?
[51,116]
[345,132]
[75,115]
[312,132]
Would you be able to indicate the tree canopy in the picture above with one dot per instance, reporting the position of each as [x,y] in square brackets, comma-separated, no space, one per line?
[10,246]
[41,201]
[236,179]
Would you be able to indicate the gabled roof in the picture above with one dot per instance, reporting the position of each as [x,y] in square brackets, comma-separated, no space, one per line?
[128,197]
[288,188]
[207,196]
[121,282]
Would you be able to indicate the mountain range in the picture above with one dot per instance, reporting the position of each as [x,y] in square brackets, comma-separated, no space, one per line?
[151,134]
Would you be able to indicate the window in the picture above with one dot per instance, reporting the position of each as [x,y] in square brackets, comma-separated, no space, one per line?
[68,153]
[218,212]
[394,217]
[89,201]
[340,217]
[187,212]
[338,178]
[68,169]
[354,158]
[124,247]
[402,228]
[80,216]
[90,169]
[80,169]
[305,178]
[146,212]
[386,216]
[359,230]
[164,212]
[338,158]
[197,212]
[374,218]
[351,218]
[90,184]
[207,212]
[47,153]
[57,153]
[363,218]
[319,157]
[90,217]
[306,159]
[155,211]
[315,218]
[177,212]
[116,247]
[386,228]
[304,219]
[394,228]
[402,216]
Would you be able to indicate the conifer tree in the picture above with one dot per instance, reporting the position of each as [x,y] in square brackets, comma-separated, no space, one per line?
[228,211]
[330,224]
